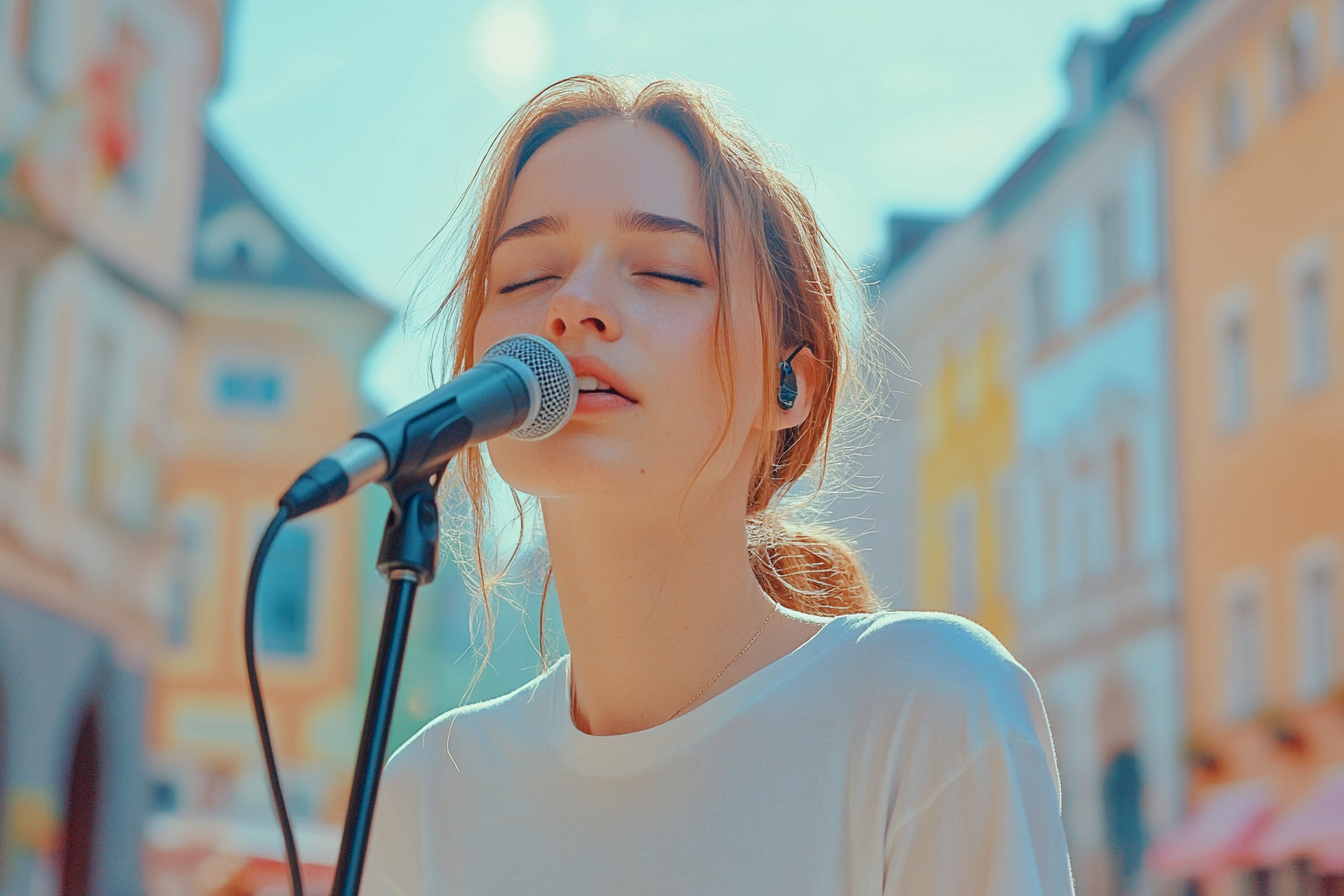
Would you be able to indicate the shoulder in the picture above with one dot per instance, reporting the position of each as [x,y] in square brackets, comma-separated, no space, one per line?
[940,673]
[479,729]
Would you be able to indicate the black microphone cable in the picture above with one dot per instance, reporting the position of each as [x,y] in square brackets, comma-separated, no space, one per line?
[250,652]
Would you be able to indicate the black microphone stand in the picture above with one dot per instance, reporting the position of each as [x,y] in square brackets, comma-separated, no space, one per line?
[408,559]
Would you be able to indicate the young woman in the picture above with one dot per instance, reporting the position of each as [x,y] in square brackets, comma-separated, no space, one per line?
[734,715]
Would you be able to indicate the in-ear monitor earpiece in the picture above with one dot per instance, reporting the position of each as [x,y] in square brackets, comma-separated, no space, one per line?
[788,380]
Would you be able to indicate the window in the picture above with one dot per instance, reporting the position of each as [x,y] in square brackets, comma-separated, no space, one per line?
[98,462]
[962,554]
[1088,517]
[1234,375]
[15,313]
[1316,621]
[1051,549]
[1339,30]
[284,594]
[1242,662]
[1295,68]
[1111,232]
[1122,499]
[1042,304]
[1311,335]
[249,387]
[33,21]
[1231,118]
[193,537]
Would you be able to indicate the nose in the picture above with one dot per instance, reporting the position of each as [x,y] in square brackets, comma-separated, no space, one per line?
[582,306]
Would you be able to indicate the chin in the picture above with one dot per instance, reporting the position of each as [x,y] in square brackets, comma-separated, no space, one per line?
[567,465]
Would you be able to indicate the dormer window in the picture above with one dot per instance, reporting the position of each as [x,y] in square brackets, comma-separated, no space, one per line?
[1084,71]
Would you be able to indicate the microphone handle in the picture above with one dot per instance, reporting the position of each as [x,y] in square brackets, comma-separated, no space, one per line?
[482,402]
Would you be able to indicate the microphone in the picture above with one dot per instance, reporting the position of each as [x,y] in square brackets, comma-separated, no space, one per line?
[524,387]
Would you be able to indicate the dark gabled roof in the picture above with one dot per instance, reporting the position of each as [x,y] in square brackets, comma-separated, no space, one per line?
[907,232]
[1115,61]
[240,240]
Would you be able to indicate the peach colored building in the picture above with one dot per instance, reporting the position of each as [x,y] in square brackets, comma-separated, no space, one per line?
[1251,95]
[268,381]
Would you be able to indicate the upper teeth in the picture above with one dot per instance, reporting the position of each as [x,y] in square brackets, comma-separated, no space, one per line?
[591,384]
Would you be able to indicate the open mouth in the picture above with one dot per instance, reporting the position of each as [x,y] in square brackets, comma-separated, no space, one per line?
[596,386]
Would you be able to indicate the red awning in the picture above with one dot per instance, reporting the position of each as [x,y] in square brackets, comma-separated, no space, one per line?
[1216,835]
[1314,828]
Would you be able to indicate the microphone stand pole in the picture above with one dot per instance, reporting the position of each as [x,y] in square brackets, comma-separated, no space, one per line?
[408,558]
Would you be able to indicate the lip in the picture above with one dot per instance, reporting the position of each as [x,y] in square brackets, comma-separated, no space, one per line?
[588,365]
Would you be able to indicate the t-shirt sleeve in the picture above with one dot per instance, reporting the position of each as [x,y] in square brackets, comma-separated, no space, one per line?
[392,863]
[992,828]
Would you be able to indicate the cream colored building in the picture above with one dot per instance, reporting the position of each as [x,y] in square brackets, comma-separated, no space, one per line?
[1026,481]
[100,152]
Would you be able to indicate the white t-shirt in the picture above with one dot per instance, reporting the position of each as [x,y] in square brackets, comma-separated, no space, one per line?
[893,753]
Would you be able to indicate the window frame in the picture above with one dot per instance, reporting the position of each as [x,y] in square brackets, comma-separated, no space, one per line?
[223,361]
[193,570]
[1235,308]
[1250,589]
[1229,119]
[1042,302]
[1294,58]
[1112,253]
[963,558]
[1321,554]
[1310,260]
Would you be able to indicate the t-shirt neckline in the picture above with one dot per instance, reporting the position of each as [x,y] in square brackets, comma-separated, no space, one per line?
[650,744]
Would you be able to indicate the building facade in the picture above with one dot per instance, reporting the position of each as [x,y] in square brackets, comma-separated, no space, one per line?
[1251,95]
[1033,488]
[99,170]
[932,481]
[268,381]
[1097,585]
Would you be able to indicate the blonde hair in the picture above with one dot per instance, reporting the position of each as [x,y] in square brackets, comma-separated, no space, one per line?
[805,567]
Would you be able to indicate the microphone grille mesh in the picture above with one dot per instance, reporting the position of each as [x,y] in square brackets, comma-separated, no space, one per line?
[559,388]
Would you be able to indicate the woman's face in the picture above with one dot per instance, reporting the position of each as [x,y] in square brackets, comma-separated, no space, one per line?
[602,251]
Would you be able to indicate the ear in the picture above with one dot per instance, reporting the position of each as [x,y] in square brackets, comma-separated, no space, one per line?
[807,371]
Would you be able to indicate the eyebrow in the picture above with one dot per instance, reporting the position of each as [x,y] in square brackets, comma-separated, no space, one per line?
[641,222]
[536,227]
[648,222]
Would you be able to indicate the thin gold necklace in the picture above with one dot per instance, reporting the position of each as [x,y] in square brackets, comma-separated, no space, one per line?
[774,608]
[691,702]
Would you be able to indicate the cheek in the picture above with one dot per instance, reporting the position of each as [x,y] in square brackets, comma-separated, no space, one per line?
[500,321]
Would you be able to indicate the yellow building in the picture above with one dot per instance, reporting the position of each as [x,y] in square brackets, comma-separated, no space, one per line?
[268,381]
[936,483]
[968,425]
[1252,98]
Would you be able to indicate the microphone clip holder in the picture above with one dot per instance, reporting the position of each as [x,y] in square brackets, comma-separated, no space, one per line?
[408,558]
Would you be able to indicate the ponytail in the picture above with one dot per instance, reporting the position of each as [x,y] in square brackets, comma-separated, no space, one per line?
[810,569]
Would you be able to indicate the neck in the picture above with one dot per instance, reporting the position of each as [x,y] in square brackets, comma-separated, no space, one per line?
[654,603]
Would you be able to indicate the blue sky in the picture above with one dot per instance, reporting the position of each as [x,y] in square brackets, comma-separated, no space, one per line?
[361,123]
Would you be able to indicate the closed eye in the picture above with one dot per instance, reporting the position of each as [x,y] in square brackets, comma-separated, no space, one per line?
[674,278]
[514,287]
